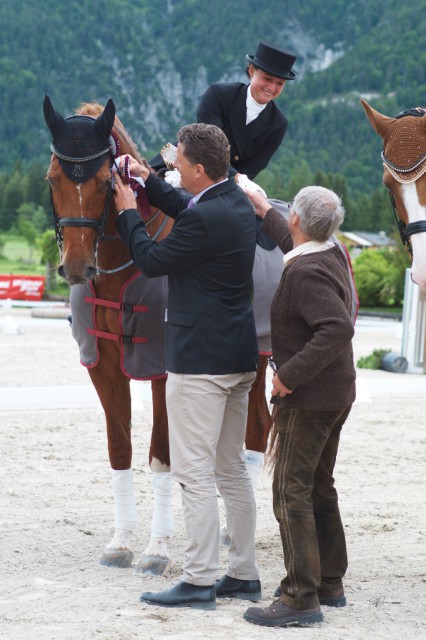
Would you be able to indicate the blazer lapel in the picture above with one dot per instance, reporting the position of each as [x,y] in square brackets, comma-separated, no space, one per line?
[259,124]
[238,118]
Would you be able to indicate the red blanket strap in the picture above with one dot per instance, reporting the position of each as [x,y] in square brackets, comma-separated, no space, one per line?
[121,306]
[117,337]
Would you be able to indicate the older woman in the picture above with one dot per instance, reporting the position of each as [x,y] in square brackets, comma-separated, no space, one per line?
[313,391]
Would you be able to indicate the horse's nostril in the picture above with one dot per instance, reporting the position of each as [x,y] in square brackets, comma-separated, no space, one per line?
[61,271]
[90,273]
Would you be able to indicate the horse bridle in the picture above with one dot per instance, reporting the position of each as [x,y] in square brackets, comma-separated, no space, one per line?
[99,223]
[405,230]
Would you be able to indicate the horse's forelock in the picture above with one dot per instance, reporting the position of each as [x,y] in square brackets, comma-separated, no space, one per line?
[93,109]
[127,145]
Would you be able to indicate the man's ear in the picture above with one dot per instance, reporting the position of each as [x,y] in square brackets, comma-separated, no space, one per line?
[295,219]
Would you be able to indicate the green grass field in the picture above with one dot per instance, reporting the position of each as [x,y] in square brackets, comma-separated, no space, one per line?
[16,258]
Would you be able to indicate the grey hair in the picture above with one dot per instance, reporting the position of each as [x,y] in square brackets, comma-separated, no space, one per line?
[320,212]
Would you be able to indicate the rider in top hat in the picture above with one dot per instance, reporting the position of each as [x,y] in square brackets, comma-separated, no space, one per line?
[253,124]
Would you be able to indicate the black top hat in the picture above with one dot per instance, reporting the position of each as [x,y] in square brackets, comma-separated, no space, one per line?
[273,60]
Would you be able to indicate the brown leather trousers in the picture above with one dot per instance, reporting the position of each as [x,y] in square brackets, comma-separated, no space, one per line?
[306,504]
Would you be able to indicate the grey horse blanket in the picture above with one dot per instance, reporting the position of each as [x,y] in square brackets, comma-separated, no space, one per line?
[142,315]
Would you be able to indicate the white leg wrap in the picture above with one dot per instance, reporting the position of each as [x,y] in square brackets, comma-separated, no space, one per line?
[254,464]
[162,520]
[122,540]
[126,515]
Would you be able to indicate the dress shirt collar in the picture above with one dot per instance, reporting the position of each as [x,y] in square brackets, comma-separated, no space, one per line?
[307,247]
[195,198]
[253,107]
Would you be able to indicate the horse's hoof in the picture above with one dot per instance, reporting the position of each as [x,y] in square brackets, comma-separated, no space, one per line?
[154,565]
[121,558]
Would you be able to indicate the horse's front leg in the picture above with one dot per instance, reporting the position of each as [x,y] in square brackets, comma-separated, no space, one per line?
[113,389]
[156,558]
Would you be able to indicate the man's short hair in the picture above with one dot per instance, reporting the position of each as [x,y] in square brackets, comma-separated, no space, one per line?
[320,212]
[206,144]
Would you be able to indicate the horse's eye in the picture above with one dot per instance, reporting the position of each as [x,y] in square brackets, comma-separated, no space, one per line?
[105,185]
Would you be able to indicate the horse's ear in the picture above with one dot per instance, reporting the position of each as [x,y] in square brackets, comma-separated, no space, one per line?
[424,122]
[54,120]
[378,121]
[105,121]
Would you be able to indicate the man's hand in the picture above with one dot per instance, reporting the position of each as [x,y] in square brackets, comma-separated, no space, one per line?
[129,167]
[278,388]
[123,195]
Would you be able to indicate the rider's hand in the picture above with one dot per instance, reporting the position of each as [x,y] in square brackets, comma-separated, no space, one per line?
[173,178]
[248,185]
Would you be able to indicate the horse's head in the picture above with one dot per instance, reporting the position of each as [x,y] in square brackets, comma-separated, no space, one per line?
[80,179]
[404,164]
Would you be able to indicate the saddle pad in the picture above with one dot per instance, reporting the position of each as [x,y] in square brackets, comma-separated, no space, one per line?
[141,359]
[267,270]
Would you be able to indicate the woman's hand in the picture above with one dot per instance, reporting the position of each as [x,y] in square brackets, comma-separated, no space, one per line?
[123,194]
[278,388]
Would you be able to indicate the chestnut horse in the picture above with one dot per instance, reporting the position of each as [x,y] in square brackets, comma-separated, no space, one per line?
[404,175]
[99,268]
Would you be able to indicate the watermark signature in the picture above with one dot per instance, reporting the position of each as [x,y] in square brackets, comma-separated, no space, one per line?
[378,601]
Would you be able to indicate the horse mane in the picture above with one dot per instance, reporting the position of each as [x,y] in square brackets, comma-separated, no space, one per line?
[127,145]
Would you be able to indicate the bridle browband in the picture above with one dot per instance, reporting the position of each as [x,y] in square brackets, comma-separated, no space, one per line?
[78,160]
[401,169]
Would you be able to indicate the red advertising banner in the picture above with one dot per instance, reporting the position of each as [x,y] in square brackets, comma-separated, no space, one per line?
[21,287]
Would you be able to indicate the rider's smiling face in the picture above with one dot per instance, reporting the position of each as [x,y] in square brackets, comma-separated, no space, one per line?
[264,87]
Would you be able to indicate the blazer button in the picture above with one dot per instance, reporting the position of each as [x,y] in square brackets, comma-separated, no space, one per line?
[236,157]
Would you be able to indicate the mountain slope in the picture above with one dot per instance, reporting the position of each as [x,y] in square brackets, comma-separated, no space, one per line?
[155,60]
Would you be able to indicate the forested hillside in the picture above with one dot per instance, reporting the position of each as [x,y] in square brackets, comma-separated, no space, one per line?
[156,59]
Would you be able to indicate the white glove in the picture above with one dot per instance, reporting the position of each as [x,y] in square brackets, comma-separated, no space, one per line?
[248,185]
[173,178]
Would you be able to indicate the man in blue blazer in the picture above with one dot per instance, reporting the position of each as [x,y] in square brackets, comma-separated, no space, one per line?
[211,356]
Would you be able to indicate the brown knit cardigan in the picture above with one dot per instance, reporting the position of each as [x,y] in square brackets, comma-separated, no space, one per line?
[311,326]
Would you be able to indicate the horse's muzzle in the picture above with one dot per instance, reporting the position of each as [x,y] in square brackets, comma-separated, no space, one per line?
[78,276]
